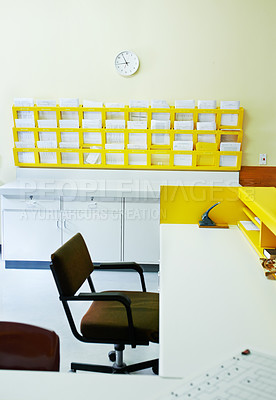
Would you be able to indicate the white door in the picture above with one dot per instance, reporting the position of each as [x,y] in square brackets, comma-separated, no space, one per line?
[141,231]
[100,223]
[30,235]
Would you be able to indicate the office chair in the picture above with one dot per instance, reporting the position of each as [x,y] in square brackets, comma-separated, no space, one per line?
[116,317]
[28,347]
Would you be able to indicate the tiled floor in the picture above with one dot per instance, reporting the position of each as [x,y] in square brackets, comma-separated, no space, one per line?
[30,296]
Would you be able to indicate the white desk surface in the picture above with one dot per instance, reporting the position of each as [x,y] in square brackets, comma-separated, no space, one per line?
[29,385]
[214,299]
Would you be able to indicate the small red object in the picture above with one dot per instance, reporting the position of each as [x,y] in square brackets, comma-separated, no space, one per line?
[245,352]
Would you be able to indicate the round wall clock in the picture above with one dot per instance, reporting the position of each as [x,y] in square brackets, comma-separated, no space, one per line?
[126,63]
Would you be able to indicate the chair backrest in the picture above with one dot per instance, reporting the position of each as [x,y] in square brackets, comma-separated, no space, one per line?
[71,265]
[28,347]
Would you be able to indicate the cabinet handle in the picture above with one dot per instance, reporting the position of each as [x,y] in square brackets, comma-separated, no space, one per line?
[64,224]
[58,226]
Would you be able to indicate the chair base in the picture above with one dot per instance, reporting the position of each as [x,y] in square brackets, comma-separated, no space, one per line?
[115,368]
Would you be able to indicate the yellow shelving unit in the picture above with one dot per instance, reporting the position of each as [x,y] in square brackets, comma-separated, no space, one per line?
[259,207]
[93,153]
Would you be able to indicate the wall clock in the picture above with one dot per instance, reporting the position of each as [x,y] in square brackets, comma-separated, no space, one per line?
[126,63]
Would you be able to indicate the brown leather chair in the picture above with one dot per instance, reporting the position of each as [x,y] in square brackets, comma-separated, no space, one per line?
[117,317]
[28,347]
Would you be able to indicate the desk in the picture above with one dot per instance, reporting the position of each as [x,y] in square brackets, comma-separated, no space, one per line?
[29,385]
[214,299]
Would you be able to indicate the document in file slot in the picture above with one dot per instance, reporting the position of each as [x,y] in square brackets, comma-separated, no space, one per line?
[138,104]
[47,136]
[92,104]
[137,124]
[230,105]
[69,137]
[69,123]
[206,117]
[25,136]
[159,104]
[25,115]
[25,123]
[206,126]
[160,124]
[114,137]
[47,157]
[92,158]
[228,161]
[229,119]
[42,114]
[184,125]
[25,145]
[69,102]
[26,157]
[184,104]
[207,104]
[182,145]
[183,159]
[92,137]
[46,144]
[242,377]
[69,145]
[46,103]
[115,124]
[92,123]
[139,138]
[116,146]
[184,117]
[47,123]
[206,138]
[114,114]
[183,136]
[249,226]
[160,138]
[137,146]
[69,158]
[23,102]
[230,146]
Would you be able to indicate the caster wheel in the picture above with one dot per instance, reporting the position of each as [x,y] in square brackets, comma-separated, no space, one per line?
[155,369]
[112,356]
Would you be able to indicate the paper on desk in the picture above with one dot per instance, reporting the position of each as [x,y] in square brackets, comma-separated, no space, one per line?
[47,123]
[184,125]
[249,226]
[25,123]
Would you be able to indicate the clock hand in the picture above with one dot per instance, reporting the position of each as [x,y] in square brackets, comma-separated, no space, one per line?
[121,63]
[125,60]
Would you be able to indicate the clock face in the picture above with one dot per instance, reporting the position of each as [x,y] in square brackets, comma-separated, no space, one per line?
[126,63]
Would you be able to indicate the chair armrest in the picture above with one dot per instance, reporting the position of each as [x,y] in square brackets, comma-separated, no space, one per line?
[123,266]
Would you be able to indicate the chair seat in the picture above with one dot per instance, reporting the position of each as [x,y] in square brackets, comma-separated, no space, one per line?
[107,320]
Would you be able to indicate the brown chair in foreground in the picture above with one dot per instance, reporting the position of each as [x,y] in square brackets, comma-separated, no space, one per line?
[28,347]
[116,317]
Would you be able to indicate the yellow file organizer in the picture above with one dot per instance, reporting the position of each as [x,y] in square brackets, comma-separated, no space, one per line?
[157,152]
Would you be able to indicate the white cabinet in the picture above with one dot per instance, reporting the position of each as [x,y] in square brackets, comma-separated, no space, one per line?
[30,235]
[100,223]
[141,231]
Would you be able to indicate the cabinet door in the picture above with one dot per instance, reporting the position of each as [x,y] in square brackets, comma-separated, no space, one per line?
[30,235]
[102,232]
[141,231]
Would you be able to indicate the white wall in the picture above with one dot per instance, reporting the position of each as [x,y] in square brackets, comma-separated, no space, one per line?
[201,49]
